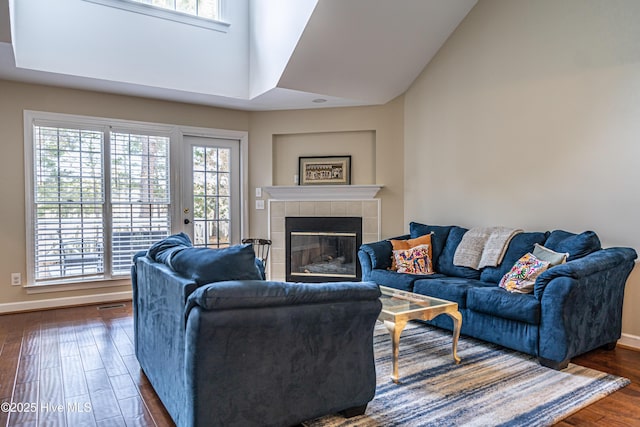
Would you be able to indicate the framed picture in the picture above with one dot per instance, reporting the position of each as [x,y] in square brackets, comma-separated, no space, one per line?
[325,170]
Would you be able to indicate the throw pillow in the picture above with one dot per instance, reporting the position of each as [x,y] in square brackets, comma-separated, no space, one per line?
[204,265]
[414,261]
[546,254]
[163,250]
[577,245]
[523,274]
[398,245]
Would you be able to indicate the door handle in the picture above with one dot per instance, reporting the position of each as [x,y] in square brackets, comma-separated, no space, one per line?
[186,221]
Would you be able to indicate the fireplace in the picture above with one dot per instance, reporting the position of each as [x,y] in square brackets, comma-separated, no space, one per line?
[322,249]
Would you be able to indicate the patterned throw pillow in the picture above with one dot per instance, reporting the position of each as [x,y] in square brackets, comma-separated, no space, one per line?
[414,261]
[523,274]
[408,244]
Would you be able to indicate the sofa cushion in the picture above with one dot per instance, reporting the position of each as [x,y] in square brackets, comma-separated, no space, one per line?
[438,239]
[448,288]
[577,245]
[162,250]
[500,303]
[204,265]
[519,245]
[393,279]
[445,260]
[523,274]
[416,260]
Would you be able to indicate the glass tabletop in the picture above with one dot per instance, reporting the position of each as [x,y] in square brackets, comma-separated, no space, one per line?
[396,301]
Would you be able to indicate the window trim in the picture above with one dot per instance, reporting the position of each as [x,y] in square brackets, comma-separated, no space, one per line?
[176,134]
[168,14]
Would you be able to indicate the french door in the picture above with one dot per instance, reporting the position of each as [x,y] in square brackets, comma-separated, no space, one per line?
[211,191]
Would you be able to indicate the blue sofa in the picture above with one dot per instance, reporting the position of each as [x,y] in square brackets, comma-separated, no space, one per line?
[575,307]
[223,347]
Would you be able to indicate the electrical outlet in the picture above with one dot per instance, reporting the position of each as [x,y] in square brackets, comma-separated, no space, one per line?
[260,204]
[16,279]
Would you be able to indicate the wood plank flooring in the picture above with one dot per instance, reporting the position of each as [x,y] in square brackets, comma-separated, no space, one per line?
[77,367]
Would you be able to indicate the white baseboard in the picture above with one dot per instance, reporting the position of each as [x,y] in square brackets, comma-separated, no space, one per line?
[43,304]
[631,341]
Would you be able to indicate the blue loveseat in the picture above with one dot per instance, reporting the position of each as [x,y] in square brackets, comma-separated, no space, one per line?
[575,307]
[223,347]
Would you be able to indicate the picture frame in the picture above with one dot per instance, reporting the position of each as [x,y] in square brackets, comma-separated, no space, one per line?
[324,170]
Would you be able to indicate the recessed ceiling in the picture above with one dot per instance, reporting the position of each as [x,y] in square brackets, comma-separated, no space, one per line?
[277,55]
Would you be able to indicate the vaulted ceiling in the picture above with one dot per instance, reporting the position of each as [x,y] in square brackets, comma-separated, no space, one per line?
[275,54]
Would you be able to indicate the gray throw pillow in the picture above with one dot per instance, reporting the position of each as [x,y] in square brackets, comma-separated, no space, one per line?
[552,257]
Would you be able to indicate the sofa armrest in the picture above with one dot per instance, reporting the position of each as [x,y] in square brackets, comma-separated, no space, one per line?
[376,255]
[581,303]
[159,303]
[238,294]
[602,260]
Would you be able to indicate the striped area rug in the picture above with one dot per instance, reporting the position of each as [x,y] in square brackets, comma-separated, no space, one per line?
[492,386]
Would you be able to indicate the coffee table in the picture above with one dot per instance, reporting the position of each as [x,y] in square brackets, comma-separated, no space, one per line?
[398,307]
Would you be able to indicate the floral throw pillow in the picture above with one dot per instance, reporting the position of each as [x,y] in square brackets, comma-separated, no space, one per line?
[408,244]
[414,261]
[523,274]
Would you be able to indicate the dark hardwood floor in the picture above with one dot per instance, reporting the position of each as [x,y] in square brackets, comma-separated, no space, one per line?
[77,367]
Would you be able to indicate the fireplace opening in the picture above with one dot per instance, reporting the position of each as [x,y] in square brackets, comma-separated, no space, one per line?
[323,249]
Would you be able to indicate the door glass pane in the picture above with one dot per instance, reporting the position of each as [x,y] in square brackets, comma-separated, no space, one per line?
[224,164]
[211,196]
[225,184]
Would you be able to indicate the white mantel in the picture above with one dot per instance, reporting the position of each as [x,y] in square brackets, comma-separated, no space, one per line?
[323,192]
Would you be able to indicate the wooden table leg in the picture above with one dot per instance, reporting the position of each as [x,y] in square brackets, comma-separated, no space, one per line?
[395,329]
[457,325]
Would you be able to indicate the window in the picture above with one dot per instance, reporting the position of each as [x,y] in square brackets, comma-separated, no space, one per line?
[100,190]
[98,197]
[203,8]
[139,195]
[69,200]
[200,13]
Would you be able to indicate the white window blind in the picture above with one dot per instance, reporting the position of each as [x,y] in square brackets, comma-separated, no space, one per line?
[78,235]
[140,195]
[69,199]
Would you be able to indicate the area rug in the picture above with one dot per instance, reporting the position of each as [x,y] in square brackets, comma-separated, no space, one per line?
[492,386]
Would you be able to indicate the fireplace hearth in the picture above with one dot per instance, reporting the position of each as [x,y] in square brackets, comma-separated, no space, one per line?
[320,249]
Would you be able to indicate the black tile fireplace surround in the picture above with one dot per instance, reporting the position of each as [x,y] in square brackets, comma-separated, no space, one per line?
[322,249]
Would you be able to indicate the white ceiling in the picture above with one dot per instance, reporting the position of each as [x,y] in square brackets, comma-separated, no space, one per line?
[356,52]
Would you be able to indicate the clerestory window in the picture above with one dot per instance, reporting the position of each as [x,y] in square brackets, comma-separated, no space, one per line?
[201,13]
[209,9]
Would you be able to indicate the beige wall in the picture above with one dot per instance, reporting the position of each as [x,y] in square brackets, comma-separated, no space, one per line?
[358,129]
[529,116]
[361,146]
[17,97]
[373,135]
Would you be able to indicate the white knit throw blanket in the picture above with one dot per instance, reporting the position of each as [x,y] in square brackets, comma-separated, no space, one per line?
[483,246]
